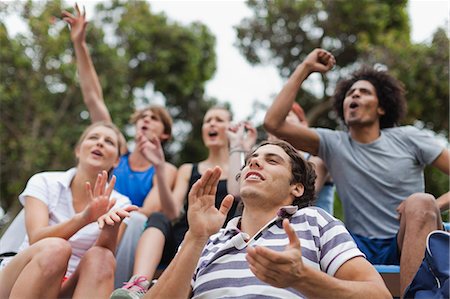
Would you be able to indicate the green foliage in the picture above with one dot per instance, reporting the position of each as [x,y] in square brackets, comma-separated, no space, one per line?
[357,32]
[41,104]
[283,32]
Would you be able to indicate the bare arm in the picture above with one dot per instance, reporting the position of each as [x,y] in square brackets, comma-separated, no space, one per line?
[356,278]
[204,220]
[442,163]
[160,197]
[275,122]
[89,81]
[241,143]
[36,213]
[37,218]
[321,172]
[180,189]
[110,224]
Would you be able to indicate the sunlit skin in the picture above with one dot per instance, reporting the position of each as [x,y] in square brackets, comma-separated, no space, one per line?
[267,174]
[214,128]
[99,150]
[361,105]
[151,125]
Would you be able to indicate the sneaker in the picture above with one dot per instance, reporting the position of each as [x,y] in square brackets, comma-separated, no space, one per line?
[135,288]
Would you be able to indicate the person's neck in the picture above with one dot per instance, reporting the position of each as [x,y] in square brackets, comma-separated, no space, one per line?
[217,157]
[138,162]
[78,185]
[365,134]
[255,218]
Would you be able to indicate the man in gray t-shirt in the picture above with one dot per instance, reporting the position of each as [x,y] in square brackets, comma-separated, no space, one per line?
[377,166]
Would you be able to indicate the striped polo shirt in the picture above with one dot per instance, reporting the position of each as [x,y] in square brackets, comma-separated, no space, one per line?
[223,272]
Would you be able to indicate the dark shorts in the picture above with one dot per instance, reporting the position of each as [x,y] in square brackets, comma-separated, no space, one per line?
[379,251]
[172,238]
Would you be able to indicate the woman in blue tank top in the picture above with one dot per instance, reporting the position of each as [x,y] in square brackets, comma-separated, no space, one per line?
[161,239]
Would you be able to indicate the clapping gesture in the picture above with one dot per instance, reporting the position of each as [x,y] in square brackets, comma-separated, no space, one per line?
[77,24]
[242,135]
[203,217]
[279,269]
[99,203]
[151,149]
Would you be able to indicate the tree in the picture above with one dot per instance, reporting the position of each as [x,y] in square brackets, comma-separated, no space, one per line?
[283,32]
[357,32]
[42,113]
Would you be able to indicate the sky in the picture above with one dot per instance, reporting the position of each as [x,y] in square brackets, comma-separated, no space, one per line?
[235,79]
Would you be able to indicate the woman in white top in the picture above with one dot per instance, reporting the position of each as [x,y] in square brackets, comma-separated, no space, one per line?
[66,253]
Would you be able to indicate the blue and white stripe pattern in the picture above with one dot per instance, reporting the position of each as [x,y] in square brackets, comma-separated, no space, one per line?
[223,272]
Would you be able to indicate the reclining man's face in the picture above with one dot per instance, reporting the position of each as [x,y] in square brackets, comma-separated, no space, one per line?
[266,177]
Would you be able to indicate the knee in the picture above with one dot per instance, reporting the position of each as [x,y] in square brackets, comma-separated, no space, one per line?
[54,255]
[421,207]
[158,220]
[100,262]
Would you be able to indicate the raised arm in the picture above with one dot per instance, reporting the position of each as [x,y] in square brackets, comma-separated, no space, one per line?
[275,122]
[89,82]
[241,137]
[356,278]
[204,220]
[160,197]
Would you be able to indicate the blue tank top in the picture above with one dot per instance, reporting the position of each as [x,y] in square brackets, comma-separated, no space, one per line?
[134,184]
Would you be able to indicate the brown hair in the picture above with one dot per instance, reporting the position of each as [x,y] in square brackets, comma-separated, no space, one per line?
[121,145]
[162,113]
[302,172]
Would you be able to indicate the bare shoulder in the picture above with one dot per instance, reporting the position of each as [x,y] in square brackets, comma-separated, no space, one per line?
[171,168]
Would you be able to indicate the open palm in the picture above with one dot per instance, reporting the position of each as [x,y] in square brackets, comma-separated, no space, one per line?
[203,217]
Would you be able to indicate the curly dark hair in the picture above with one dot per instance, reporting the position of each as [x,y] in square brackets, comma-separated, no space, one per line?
[302,172]
[390,93]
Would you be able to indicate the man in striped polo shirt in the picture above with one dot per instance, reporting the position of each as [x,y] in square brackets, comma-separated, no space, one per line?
[275,250]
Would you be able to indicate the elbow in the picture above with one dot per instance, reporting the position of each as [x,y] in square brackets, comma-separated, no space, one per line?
[271,125]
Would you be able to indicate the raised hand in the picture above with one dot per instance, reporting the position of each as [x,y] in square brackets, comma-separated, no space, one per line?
[203,217]
[77,24]
[319,60]
[99,197]
[242,135]
[151,149]
[279,269]
[115,216]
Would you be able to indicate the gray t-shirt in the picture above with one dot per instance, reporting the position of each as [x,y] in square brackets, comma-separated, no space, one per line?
[373,179]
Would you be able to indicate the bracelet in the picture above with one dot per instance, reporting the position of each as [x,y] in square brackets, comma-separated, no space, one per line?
[236,150]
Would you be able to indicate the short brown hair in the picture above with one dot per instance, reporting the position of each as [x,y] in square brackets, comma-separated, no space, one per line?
[162,113]
[302,172]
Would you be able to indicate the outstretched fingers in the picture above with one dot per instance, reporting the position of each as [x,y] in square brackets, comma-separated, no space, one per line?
[65,14]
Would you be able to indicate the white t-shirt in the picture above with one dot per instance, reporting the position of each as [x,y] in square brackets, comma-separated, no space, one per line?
[53,189]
